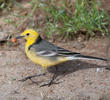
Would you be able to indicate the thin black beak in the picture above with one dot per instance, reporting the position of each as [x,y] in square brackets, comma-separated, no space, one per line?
[19,37]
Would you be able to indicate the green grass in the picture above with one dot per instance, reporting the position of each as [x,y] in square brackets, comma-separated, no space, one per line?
[70,19]
[5,5]
[65,18]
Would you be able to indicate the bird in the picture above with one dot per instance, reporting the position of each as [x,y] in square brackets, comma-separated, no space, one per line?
[46,54]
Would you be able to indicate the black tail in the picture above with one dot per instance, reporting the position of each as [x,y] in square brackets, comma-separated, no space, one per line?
[91,57]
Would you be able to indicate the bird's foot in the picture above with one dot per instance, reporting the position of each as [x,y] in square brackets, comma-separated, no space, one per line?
[49,84]
[30,77]
[51,81]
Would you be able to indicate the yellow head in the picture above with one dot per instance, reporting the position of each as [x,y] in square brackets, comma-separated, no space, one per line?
[29,35]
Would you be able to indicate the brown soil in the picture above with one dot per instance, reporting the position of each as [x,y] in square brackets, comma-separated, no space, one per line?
[78,80]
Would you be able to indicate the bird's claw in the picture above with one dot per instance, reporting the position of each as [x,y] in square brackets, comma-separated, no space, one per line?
[30,77]
[25,79]
[49,84]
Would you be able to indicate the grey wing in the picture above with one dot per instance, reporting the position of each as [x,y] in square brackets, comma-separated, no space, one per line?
[45,48]
[65,52]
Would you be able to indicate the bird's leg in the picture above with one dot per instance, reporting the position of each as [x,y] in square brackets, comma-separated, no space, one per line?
[30,77]
[53,78]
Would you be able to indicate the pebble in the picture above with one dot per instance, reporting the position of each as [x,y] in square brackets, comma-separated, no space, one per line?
[3,35]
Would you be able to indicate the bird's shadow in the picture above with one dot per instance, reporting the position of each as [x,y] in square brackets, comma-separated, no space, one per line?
[72,66]
[67,68]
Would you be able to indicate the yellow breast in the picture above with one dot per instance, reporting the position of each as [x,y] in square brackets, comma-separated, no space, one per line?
[43,61]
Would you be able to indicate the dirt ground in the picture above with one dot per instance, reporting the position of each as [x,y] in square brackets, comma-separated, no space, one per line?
[78,80]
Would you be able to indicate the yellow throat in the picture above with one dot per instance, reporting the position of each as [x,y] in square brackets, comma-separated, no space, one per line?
[30,36]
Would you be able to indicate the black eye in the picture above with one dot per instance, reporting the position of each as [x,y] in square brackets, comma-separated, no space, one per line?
[27,34]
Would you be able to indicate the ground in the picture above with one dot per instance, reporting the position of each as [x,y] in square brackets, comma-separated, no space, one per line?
[78,80]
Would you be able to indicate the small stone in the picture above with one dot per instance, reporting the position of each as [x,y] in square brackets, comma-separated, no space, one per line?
[97,69]
[3,35]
